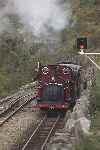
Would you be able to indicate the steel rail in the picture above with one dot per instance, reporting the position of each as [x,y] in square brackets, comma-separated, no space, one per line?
[6,99]
[37,128]
[11,103]
[46,140]
[15,111]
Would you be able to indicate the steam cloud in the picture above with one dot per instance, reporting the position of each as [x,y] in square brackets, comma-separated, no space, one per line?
[4,21]
[40,16]
[6,8]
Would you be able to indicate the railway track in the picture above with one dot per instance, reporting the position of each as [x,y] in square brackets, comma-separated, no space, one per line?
[7,105]
[8,113]
[10,105]
[44,130]
[6,99]
[10,101]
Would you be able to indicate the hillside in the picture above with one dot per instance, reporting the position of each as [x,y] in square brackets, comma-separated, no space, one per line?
[20,51]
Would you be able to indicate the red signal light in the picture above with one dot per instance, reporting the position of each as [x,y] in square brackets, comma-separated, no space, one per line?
[82,43]
[81,46]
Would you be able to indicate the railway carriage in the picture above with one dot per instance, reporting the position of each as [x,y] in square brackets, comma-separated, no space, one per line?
[59,86]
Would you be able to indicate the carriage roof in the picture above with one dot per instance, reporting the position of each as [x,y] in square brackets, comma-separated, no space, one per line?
[72,66]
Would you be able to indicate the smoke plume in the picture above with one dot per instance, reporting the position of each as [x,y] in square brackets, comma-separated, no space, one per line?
[6,9]
[43,16]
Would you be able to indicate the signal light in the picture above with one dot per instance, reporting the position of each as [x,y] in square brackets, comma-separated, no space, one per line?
[81,46]
[82,43]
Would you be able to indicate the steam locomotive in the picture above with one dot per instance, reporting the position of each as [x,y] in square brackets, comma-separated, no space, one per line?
[59,86]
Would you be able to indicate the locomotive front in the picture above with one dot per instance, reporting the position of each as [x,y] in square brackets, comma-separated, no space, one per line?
[54,87]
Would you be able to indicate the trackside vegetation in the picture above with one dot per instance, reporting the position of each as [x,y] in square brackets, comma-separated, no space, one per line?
[92,142]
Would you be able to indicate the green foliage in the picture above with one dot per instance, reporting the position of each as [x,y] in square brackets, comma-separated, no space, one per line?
[84,3]
[90,143]
[19,59]
[4,81]
[15,64]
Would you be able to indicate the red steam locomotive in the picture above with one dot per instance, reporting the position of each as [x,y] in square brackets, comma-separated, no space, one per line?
[59,86]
